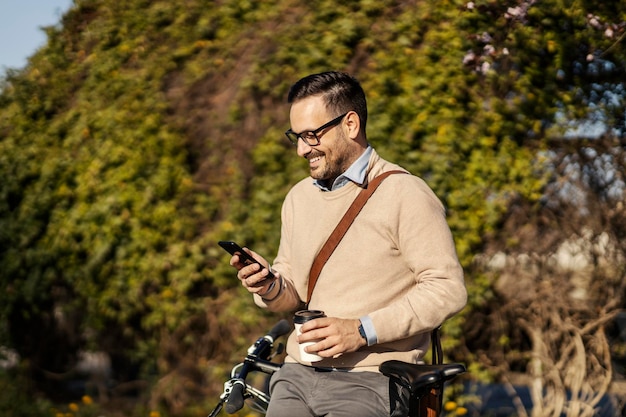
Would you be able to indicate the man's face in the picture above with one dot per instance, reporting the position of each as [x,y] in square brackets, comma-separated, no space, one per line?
[334,154]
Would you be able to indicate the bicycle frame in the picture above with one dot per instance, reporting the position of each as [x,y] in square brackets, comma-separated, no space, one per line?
[424,382]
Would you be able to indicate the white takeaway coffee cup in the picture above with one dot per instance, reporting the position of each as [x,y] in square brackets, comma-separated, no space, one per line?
[299,319]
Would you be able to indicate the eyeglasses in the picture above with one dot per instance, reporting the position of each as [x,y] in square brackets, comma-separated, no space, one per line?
[310,137]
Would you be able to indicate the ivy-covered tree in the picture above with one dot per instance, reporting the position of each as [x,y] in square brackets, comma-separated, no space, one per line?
[145,131]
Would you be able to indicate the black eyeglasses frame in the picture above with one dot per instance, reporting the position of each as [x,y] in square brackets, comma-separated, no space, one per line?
[293,136]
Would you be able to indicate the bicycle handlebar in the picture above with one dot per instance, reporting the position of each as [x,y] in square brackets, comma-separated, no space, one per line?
[281,328]
[235,399]
[258,352]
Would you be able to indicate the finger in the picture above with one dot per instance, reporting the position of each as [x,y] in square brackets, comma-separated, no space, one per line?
[313,335]
[315,324]
[248,284]
[256,282]
[248,271]
[234,261]
[244,281]
[324,349]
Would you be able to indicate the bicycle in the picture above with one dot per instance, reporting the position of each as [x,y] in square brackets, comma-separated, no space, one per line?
[425,382]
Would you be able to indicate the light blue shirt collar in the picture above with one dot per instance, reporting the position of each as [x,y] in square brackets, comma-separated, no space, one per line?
[355,173]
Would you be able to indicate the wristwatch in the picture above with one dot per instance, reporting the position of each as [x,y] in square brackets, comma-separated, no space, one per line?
[362,332]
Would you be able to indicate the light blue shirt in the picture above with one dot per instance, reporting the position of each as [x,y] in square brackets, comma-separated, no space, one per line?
[356,173]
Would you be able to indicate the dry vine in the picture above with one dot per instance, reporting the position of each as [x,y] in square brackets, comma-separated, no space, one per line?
[560,285]
[570,363]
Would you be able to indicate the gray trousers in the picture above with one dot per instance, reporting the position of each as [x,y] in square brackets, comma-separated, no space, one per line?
[303,391]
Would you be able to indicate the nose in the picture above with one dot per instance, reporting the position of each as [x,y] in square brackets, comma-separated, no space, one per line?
[303,148]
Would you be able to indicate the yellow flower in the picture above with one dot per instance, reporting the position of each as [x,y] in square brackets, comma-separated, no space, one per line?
[155,414]
[87,400]
[73,407]
[461,411]
[449,406]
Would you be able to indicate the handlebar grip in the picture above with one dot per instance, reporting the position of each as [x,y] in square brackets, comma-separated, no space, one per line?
[235,398]
[281,328]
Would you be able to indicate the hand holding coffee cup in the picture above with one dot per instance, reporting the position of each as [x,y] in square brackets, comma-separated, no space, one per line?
[299,319]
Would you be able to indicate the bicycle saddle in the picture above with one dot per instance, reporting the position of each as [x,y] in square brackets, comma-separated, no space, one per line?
[418,377]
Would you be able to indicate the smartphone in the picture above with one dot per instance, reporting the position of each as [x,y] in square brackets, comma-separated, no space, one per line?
[235,249]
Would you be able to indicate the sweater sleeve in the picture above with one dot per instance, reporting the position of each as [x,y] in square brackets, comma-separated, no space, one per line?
[425,244]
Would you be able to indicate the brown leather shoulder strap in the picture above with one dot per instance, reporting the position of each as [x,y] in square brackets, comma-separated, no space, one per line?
[341,229]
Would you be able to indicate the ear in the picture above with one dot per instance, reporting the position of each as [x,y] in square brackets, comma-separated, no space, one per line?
[353,123]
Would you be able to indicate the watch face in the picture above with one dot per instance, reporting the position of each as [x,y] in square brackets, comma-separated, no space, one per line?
[362,332]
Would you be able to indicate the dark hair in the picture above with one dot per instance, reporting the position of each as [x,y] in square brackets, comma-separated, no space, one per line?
[340,91]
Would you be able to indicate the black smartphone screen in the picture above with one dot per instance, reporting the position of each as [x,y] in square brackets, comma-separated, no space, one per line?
[235,249]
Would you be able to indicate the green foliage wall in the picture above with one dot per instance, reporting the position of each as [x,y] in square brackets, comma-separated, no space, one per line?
[145,131]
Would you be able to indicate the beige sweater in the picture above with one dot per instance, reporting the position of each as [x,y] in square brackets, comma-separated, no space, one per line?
[397,263]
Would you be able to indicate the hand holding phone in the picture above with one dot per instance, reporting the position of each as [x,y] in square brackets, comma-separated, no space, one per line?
[244,257]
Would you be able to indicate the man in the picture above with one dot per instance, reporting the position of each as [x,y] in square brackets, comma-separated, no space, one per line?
[393,278]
